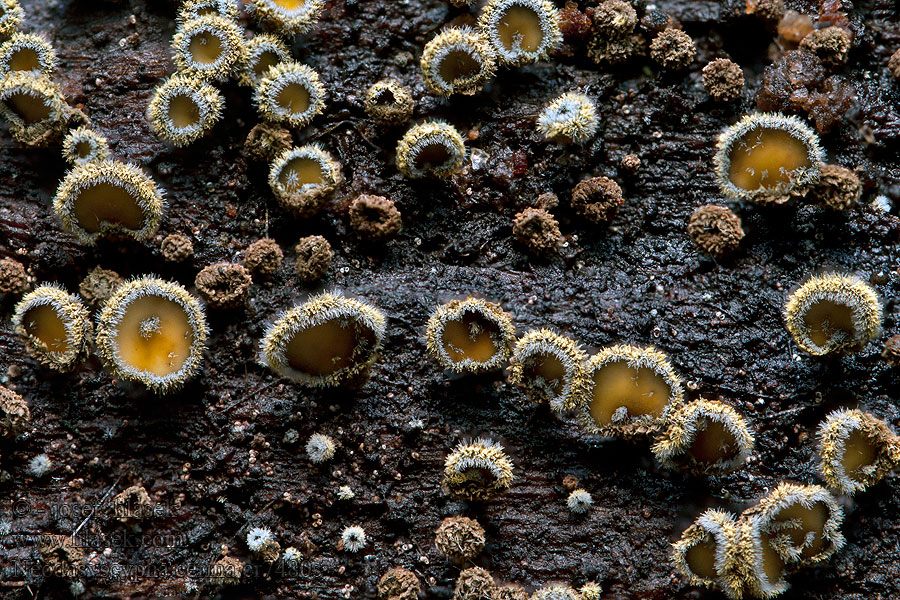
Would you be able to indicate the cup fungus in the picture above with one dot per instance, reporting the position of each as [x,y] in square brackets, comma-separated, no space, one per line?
[570,118]
[183,109]
[766,156]
[471,336]
[521,31]
[98,198]
[14,413]
[833,313]
[550,368]
[389,102]
[537,230]
[708,553]
[28,53]
[324,342]
[263,52]
[433,148]
[290,93]
[856,449]
[10,17]
[83,145]
[301,178]
[153,332]
[286,17]
[704,437]
[194,9]
[477,470]
[210,47]
[579,501]
[33,106]
[375,218]
[55,327]
[630,391]
[457,61]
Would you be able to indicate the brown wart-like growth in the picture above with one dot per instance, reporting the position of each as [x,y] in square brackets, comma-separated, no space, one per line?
[263,52]
[103,197]
[314,256]
[631,391]
[302,178]
[614,18]
[266,141]
[614,39]
[477,470]
[831,45]
[597,199]
[856,449]
[61,556]
[29,53]
[430,149]
[13,278]
[14,413]
[55,327]
[375,218]
[176,247]
[224,285]
[549,368]
[389,102]
[537,230]
[132,505]
[470,336]
[327,341]
[673,49]
[475,583]
[521,31]
[704,437]
[894,64]
[153,332]
[833,313]
[98,286]
[708,553]
[210,47]
[837,188]
[890,353]
[715,229]
[399,584]
[723,80]
[34,107]
[263,257]
[460,538]
[457,61]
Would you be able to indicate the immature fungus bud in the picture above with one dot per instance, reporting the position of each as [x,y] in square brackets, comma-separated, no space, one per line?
[29,53]
[132,504]
[631,391]
[571,118]
[579,501]
[475,583]
[673,49]
[890,353]
[478,470]
[290,93]
[550,368]
[153,332]
[614,18]
[894,64]
[723,80]
[831,45]
[320,448]
[324,342]
[833,313]
[83,145]
[470,336]
[837,188]
[263,52]
[389,102]
[263,257]
[13,278]
[705,437]
[597,199]
[460,538]
[33,106]
[14,413]
[55,327]
[39,465]
[286,17]
[715,229]
[99,198]
[399,584]
[556,592]
[194,9]
[353,539]
[301,179]
[209,47]
[591,591]
[457,61]
[431,149]
[766,156]
[708,553]
[375,218]
[98,286]
[521,31]
[266,141]
[176,248]
[261,542]
[224,285]
[314,256]
[10,16]
[184,109]
[857,450]
[537,230]
[510,591]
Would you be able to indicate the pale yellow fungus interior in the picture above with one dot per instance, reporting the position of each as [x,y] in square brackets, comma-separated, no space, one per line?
[104,202]
[640,391]
[264,62]
[83,149]
[859,452]
[772,564]
[458,65]
[825,319]
[765,158]
[154,336]
[183,111]
[712,443]
[432,156]
[549,370]
[470,337]
[290,4]
[811,520]
[327,348]
[301,171]
[701,559]
[520,28]
[45,325]
[207,10]
[205,48]
[294,98]
[29,108]
[25,59]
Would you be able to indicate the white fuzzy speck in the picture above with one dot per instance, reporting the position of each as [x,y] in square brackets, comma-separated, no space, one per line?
[319,448]
[39,465]
[353,539]
[291,556]
[579,501]
[345,492]
[258,538]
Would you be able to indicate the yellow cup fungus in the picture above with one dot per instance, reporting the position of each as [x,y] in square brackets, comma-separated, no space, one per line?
[707,553]
[477,470]
[183,109]
[210,47]
[10,17]
[194,9]
[389,102]
[431,149]
[84,145]
[264,51]
[570,118]
[55,327]
[550,368]
[33,106]
[521,31]
[457,61]
[27,53]
[470,335]
[301,179]
[286,17]
[290,93]
[856,450]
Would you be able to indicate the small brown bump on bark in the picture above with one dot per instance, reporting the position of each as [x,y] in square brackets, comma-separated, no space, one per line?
[894,64]
[837,188]
[459,538]
[263,257]
[673,49]
[547,201]
[226,571]
[13,279]
[224,285]
[891,352]
[537,230]
[266,141]
[375,218]
[399,584]
[831,45]
[176,248]
[570,482]
[475,584]
[631,162]
[98,285]
[314,256]
[770,11]
[723,80]
[597,199]
[14,413]
[132,504]
[715,229]
[61,557]
[614,18]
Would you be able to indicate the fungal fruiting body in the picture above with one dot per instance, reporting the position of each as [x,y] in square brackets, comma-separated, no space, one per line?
[320,448]
[286,17]
[210,47]
[324,342]
[183,109]
[83,145]
[470,335]
[833,313]
[262,542]
[399,584]
[708,553]
[153,332]
[55,327]
[579,501]
[550,368]
[556,592]
[570,118]
[290,93]
[766,156]
[14,413]
[433,148]
[194,9]
[475,583]
[389,102]
[263,52]
[26,52]
[457,61]
[521,31]
[856,450]
[353,539]
[301,178]
[477,470]
[631,391]
[704,437]
[33,106]
[102,197]
[10,16]
[460,538]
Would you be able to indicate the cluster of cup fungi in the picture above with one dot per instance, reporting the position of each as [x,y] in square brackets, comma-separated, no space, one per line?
[154,332]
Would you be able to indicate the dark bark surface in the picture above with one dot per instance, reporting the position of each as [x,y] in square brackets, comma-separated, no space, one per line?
[213,454]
